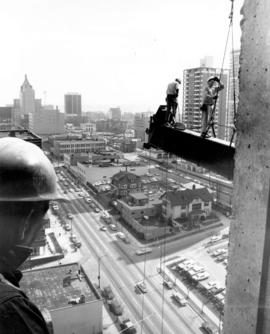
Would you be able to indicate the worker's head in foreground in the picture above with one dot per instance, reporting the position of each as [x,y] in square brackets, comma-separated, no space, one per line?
[27,184]
[212,80]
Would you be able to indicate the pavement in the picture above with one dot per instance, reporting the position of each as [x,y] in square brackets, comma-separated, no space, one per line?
[71,256]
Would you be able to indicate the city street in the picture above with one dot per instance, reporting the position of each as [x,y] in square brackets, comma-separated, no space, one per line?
[122,268]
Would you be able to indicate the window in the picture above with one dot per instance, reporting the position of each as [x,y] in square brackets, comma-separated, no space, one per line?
[124,186]
[197,206]
[206,203]
[133,185]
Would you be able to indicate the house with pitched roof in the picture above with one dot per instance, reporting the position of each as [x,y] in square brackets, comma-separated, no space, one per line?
[126,182]
[195,204]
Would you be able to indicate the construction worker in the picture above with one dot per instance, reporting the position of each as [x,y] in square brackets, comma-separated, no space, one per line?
[27,184]
[171,99]
[214,85]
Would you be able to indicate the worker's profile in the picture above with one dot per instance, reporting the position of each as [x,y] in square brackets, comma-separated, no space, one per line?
[27,184]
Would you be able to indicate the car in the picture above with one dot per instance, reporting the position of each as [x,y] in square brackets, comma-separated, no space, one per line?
[201,276]
[69,215]
[208,329]
[77,243]
[144,250]
[88,200]
[141,286]
[96,210]
[113,227]
[73,238]
[67,228]
[121,235]
[179,299]
[168,284]
[103,228]
[108,293]
[81,194]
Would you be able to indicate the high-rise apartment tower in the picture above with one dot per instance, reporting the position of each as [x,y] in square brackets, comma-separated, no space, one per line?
[194,82]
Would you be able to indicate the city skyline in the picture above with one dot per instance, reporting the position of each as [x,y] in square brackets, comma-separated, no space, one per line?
[114,54]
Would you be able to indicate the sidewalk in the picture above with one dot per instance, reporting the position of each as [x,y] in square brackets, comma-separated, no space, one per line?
[62,236]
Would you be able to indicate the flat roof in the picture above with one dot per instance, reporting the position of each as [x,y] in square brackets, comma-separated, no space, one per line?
[45,286]
[19,133]
[138,195]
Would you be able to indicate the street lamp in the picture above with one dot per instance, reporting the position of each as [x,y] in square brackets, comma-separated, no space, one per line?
[99,260]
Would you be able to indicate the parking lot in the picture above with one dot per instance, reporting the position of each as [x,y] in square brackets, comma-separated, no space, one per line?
[203,271]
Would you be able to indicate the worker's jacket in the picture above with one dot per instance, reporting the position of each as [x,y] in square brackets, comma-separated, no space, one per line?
[18,315]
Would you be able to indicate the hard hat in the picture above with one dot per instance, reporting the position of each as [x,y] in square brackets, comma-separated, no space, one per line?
[212,78]
[26,174]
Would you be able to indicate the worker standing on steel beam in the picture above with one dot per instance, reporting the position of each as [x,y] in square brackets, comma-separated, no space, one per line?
[214,85]
[27,184]
[171,99]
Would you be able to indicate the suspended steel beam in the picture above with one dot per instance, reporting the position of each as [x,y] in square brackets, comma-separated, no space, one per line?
[213,154]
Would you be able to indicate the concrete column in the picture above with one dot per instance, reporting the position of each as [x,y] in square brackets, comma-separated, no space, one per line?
[248,283]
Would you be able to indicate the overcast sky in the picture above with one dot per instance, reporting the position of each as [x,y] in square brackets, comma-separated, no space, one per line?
[114,52]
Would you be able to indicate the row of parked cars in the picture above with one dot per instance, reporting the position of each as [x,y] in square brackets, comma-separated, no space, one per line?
[191,269]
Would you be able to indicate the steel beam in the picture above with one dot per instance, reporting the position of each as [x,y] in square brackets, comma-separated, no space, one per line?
[213,154]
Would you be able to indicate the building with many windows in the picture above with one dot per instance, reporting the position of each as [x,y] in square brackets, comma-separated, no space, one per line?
[194,82]
[141,123]
[233,92]
[115,114]
[73,104]
[60,147]
[47,121]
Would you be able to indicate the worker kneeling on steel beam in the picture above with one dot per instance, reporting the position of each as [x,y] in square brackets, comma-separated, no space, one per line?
[27,184]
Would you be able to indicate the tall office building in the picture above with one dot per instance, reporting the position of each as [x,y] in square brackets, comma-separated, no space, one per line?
[27,98]
[115,114]
[194,82]
[233,92]
[73,104]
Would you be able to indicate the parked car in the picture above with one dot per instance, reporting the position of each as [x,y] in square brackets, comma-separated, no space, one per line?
[179,299]
[103,228]
[208,329]
[127,327]
[113,227]
[69,215]
[144,250]
[168,284]
[96,210]
[201,276]
[141,286]
[107,292]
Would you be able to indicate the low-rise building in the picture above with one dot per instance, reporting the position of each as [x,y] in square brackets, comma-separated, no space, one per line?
[126,182]
[73,302]
[61,147]
[143,215]
[192,203]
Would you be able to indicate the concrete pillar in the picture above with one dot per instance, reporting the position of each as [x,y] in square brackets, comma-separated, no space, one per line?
[248,283]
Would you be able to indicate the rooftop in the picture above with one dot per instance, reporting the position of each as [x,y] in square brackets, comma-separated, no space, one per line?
[45,286]
[138,195]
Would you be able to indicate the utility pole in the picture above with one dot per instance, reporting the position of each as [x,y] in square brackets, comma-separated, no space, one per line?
[99,272]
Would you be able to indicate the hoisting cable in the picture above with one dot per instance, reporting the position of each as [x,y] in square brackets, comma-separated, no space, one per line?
[145,255]
[233,76]
[163,249]
[212,115]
